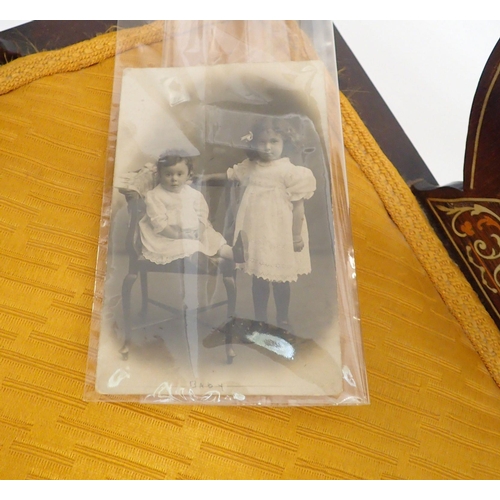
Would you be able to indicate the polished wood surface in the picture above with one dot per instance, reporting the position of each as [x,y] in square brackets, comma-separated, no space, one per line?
[39,36]
[376,115]
[467,216]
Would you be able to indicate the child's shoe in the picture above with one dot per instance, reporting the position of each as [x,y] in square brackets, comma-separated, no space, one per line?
[285,325]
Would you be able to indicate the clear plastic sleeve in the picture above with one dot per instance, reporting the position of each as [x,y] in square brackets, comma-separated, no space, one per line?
[226,271]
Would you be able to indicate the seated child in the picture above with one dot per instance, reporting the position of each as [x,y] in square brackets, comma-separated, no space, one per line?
[176,223]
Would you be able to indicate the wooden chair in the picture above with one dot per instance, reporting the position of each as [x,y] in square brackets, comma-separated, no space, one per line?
[139,266]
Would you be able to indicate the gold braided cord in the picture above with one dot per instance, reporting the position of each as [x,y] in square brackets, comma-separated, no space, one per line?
[397,198]
[404,210]
[75,57]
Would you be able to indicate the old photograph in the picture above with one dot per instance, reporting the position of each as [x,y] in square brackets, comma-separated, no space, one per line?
[221,280]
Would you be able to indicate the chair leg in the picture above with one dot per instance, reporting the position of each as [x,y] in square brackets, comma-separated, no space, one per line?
[192,336]
[230,284]
[144,293]
[230,354]
[128,283]
[229,279]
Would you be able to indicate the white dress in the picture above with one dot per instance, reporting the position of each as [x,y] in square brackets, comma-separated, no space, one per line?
[265,214]
[187,209]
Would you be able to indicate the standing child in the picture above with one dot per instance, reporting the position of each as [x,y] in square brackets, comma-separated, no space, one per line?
[271,217]
[176,223]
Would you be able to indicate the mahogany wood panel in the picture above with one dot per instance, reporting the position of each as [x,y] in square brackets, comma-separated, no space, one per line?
[467,217]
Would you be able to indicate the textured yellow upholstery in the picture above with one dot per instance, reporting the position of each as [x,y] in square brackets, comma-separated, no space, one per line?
[435,409]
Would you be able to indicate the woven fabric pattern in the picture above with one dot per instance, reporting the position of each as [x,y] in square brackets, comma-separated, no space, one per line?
[405,212]
[434,413]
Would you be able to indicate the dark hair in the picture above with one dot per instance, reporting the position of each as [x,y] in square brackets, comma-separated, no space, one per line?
[171,158]
[278,125]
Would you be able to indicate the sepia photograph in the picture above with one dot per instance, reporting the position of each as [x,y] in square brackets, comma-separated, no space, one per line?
[221,279]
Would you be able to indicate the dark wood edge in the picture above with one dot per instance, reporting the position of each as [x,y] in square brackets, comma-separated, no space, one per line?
[488,79]
[376,115]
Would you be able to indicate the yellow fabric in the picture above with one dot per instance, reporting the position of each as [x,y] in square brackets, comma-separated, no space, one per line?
[403,208]
[435,410]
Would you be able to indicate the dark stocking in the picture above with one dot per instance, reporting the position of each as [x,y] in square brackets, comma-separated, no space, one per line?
[281,292]
[260,293]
